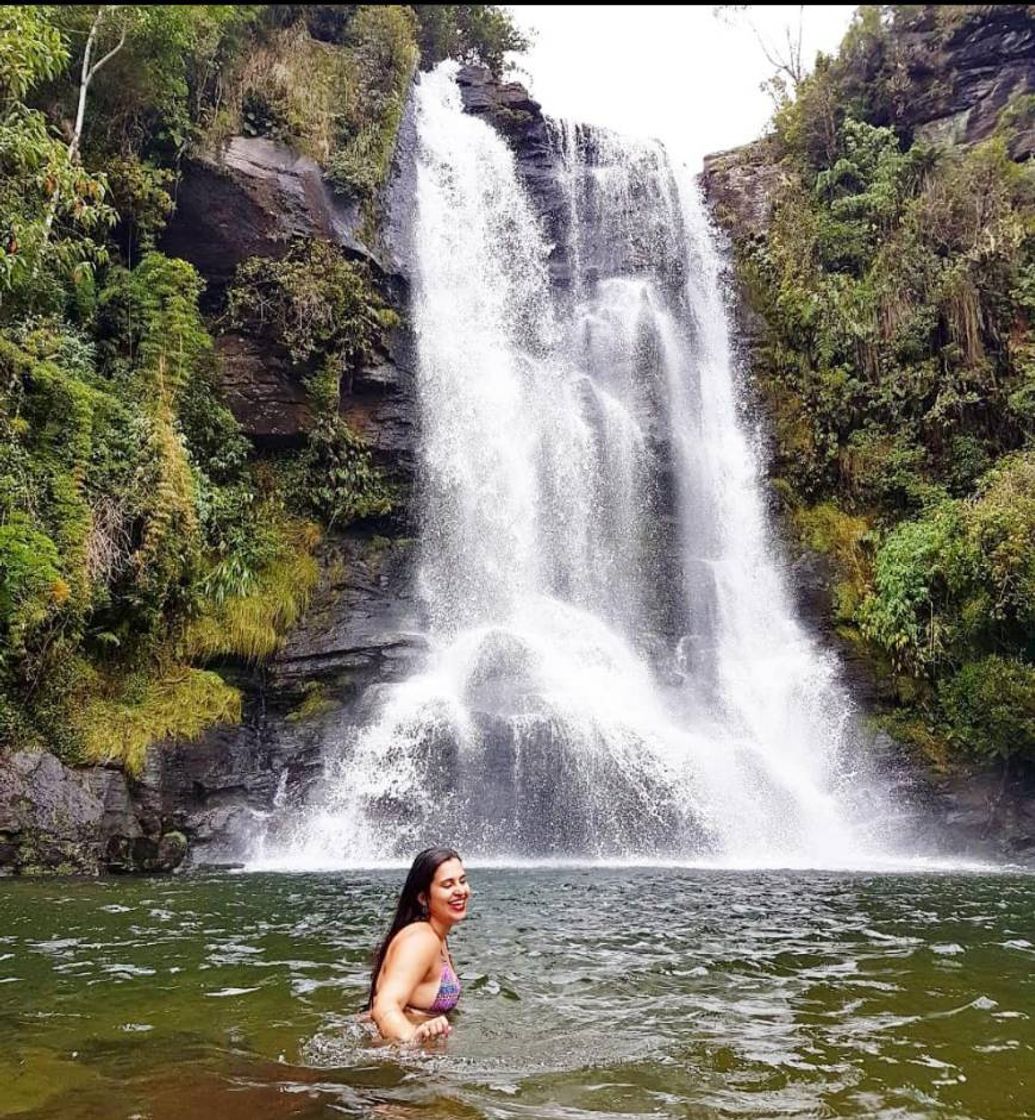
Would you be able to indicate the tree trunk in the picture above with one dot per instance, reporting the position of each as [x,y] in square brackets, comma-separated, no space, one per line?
[86,77]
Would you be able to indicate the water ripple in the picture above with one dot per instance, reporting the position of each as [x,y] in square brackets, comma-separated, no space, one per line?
[587,993]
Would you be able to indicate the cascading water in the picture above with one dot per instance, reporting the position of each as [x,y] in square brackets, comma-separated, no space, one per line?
[615,669]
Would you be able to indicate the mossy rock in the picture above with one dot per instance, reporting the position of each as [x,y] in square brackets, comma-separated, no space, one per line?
[172,850]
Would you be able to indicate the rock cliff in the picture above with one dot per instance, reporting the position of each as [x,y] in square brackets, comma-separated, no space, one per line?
[960,76]
[251,200]
[950,82]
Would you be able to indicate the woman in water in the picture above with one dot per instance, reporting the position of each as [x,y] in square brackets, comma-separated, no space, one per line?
[413,984]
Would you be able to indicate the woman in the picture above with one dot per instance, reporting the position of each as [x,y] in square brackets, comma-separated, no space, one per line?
[413,984]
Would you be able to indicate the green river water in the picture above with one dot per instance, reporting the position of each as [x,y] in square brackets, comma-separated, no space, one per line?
[589,992]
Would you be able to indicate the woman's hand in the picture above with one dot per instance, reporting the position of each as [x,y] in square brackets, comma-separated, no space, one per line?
[434,1028]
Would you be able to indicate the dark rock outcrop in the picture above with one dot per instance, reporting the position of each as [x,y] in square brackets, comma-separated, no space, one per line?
[994,815]
[76,820]
[508,107]
[362,627]
[250,200]
[741,185]
[379,403]
[959,79]
[253,199]
[263,391]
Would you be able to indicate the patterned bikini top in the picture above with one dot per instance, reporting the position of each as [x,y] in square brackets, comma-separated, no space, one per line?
[448,991]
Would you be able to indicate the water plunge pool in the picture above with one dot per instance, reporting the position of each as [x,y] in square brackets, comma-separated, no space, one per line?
[588,992]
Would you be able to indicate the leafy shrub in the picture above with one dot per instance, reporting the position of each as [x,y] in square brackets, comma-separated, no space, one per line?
[246,613]
[844,539]
[312,300]
[31,587]
[138,194]
[919,570]
[990,707]
[122,721]
[383,55]
[896,282]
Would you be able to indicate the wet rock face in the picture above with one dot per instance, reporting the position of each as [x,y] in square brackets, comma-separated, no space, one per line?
[996,815]
[508,108]
[959,85]
[55,818]
[250,200]
[360,631]
[263,391]
[362,627]
[379,403]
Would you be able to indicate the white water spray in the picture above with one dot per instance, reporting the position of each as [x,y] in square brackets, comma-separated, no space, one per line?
[616,671]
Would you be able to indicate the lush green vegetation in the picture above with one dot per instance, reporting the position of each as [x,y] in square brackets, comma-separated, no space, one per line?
[326,312]
[145,545]
[897,286]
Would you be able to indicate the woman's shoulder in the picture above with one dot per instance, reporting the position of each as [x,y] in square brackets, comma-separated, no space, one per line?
[417,935]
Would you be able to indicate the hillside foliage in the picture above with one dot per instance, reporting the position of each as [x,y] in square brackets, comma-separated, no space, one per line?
[896,283]
[148,552]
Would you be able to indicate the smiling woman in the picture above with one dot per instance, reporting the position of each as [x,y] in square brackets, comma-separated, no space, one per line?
[413,983]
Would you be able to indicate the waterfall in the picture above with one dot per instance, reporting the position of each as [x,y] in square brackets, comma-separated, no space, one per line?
[615,667]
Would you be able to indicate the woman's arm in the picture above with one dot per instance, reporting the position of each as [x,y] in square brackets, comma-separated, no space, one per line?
[408,962]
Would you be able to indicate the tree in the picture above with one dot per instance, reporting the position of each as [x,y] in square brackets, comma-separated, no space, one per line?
[481,33]
[90,67]
[48,204]
[786,57]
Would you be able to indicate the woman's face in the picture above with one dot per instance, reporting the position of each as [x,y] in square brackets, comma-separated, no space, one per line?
[449,892]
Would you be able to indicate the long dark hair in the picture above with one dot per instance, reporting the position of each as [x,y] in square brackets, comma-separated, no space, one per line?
[410,909]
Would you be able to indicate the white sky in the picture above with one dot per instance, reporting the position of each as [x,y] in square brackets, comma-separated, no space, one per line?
[675,72]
